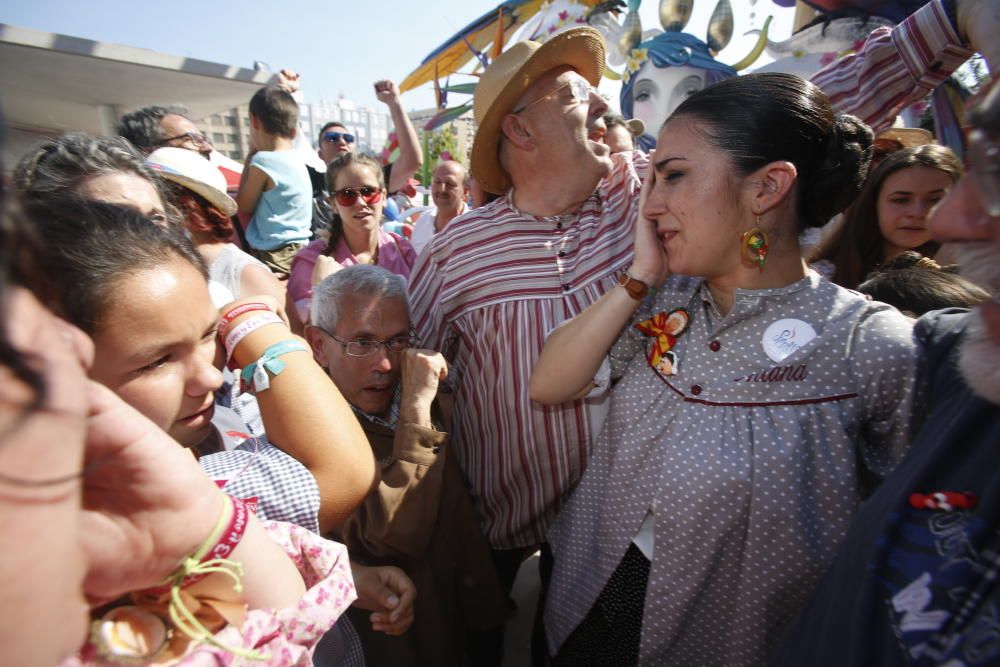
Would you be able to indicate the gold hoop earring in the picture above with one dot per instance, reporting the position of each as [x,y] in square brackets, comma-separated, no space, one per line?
[754,245]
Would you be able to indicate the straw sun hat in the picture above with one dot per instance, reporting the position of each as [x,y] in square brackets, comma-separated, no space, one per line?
[191,170]
[512,73]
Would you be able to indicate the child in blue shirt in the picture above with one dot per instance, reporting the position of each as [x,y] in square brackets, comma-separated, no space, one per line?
[275,187]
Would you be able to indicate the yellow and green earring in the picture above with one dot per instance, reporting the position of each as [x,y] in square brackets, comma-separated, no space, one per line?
[754,244]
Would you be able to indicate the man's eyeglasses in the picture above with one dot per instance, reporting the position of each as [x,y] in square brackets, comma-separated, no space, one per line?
[194,137]
[984,163]
[365,347]
[580,88]
[349,196]
[334,137]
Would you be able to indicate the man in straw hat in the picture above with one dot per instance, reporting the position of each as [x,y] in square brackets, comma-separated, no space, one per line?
[489,287]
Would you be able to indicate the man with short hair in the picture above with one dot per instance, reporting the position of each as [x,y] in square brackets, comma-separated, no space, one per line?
[489,287]
[449,190]
[421,517]
[154,127]
[915,581]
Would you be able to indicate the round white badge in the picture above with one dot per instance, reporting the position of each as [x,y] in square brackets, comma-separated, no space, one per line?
[784,337]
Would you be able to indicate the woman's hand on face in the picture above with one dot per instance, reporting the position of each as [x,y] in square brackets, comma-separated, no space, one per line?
[325,266]
[147,503]
[650,262]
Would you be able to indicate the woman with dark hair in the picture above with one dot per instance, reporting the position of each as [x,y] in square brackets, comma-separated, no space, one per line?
[104,517]
[139,291]
[357,194]
[753,397]
[890,214]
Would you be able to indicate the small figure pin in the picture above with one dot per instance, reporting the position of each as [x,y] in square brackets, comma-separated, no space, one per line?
[664,328]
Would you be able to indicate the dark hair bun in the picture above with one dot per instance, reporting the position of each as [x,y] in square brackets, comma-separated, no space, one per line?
[843,170]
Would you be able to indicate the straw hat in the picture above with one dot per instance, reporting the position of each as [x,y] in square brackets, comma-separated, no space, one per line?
[512,73]
[191,170]
[908,137]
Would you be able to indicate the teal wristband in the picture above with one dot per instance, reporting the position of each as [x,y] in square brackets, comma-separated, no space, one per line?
[255,378]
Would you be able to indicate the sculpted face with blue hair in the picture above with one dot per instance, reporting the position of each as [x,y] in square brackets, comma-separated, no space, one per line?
[671,67]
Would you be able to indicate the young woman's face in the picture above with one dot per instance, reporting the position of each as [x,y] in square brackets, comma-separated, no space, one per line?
[361,215]
[156,347]
[41,564]
[905,199]
[693,202]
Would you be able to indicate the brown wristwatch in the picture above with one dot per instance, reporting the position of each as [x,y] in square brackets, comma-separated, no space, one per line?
[635,288]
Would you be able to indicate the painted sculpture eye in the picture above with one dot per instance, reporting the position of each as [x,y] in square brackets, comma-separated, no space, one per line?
[687,87]
[644,90]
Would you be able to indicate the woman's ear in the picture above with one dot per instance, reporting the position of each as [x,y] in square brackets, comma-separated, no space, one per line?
[772,185]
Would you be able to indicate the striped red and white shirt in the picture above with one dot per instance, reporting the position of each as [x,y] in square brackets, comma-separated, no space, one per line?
[485,292]
[895,67]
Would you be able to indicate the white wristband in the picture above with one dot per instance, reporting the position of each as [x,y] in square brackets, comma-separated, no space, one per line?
[244,328]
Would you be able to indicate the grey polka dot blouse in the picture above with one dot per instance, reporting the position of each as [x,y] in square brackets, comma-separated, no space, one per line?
[750,467]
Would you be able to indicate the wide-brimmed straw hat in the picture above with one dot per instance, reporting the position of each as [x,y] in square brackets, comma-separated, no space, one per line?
[505,80]
[191,170]
[907,137]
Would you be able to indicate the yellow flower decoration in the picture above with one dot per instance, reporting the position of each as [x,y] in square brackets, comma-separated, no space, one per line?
[636,58]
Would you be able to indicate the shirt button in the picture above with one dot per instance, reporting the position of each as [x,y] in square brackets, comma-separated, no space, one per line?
[565,288]
[696,389]
[558,225]
[562,253]
[715,346]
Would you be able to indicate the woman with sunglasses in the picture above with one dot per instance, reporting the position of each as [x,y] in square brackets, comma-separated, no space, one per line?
[890,214]
[357,196]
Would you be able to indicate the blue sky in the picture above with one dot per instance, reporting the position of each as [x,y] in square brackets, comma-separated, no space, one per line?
[338,47]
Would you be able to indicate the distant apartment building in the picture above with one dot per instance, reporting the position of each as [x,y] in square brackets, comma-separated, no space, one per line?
[230,131]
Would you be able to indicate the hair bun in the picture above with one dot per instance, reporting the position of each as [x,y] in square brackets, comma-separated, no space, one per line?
[844,167]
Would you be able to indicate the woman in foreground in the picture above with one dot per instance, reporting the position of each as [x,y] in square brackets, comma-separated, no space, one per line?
[754,397]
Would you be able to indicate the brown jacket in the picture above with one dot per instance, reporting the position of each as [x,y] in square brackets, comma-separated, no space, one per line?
[421,519]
